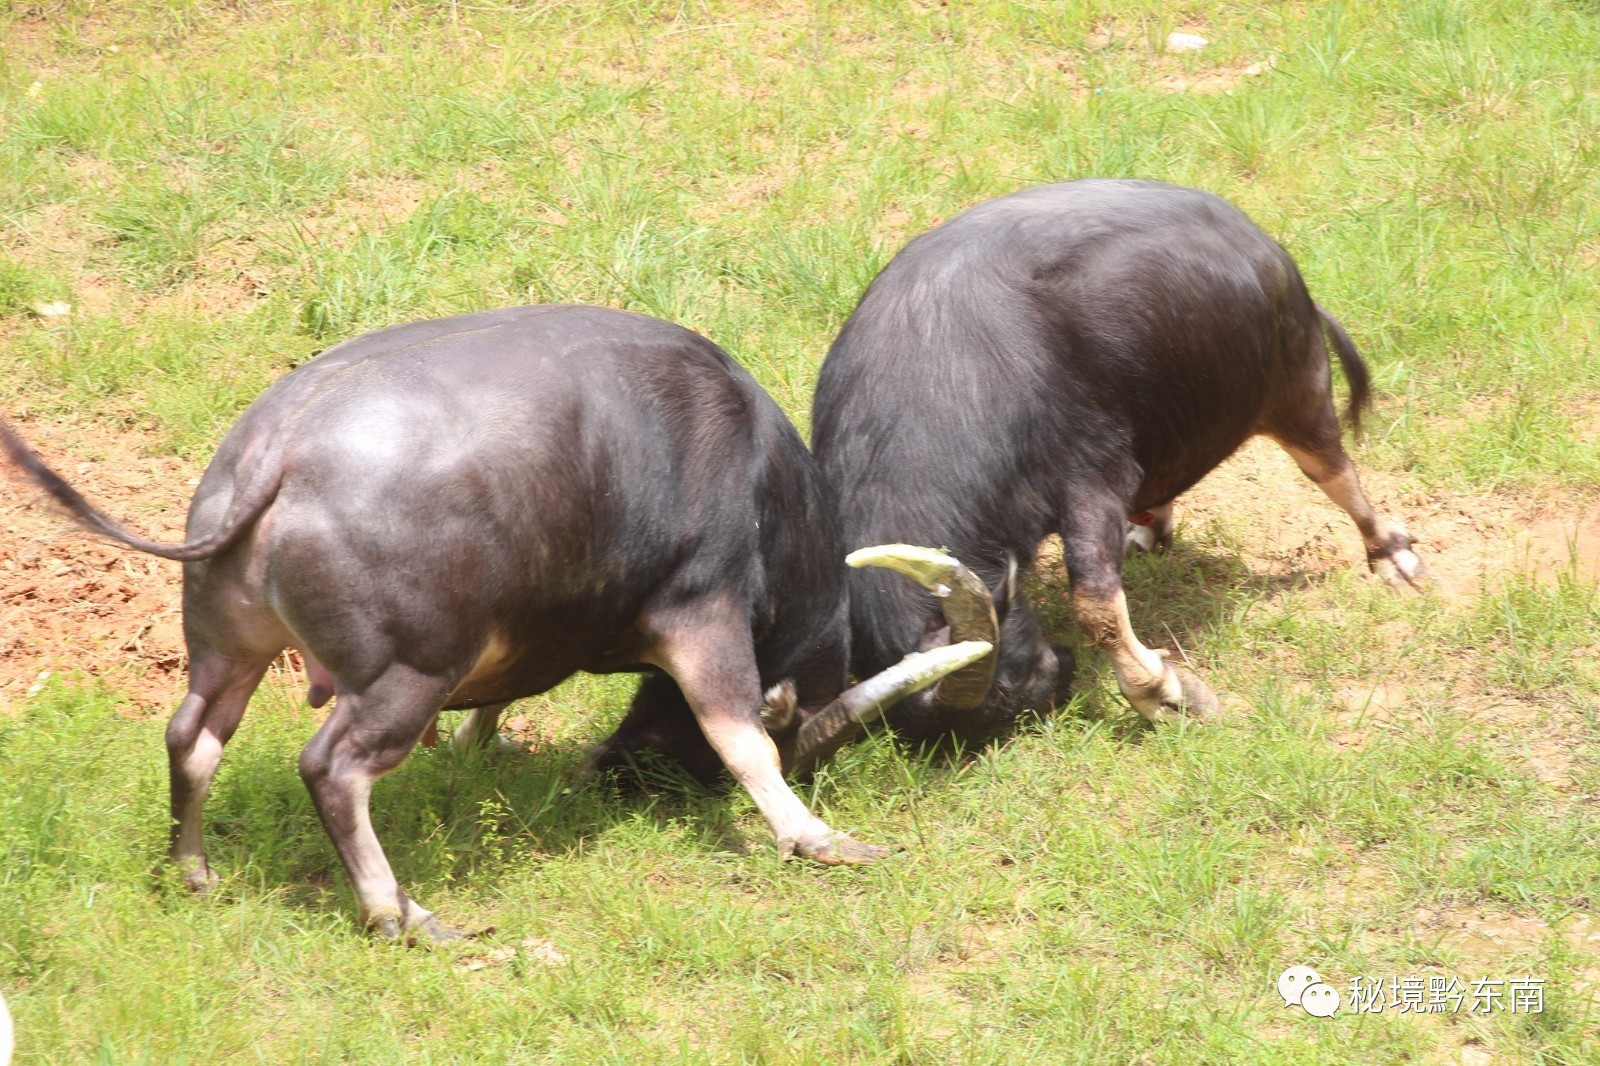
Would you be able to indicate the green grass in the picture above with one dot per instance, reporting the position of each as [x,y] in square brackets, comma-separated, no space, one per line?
[221,190]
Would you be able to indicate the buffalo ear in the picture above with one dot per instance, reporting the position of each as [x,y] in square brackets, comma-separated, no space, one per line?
[780,708]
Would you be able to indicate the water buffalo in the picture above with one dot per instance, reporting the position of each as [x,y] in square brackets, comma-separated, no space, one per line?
[462,512]
[1057,361]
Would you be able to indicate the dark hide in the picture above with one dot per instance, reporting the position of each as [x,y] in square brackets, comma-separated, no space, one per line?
[545,474]
[1055,361]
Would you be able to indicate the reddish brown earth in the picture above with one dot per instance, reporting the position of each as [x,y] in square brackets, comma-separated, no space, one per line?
[69,602]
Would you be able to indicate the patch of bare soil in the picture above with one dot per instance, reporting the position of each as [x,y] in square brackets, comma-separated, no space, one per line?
[56,229]
[938,987]
[1212,79]
[1283,524]
[1547,741]
[1484,942]
[69,602]
[371,204]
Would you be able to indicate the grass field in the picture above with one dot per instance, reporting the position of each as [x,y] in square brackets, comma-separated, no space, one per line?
[1402,787]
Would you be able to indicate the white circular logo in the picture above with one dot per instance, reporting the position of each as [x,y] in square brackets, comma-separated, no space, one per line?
[1294,981]
[1320,1000]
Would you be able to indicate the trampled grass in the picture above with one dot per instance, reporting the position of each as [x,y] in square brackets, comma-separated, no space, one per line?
[1403,786]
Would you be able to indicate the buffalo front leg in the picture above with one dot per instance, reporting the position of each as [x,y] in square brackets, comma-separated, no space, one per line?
[708,653]
[1093,539]
[368,734]
[219,691]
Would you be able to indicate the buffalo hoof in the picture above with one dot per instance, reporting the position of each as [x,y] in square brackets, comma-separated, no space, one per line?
[1404,569]
[840,850]
[1198,702]
[386,928]
[199,879]
[428,931]
[1141,539]
[432,931]
[1395,559]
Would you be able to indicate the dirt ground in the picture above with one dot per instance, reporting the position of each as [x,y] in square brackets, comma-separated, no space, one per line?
[1468,541]
[69,602]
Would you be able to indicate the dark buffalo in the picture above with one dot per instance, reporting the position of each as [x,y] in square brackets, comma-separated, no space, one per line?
[1058,361]
[458,513]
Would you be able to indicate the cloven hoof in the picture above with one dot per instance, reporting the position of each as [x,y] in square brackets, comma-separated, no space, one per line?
[841,850]
[1200,704]
[427,932]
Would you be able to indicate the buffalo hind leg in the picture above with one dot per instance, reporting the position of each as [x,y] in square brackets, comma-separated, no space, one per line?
[480,728]
[708,652]
[1390,553]
[219,691]
[368,734]
[1093,537]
